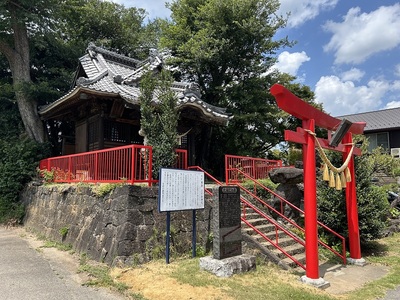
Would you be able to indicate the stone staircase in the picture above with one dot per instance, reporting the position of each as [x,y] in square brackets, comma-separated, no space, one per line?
[258,244]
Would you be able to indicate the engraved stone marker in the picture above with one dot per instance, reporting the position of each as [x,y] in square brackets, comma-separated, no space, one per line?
[227,224]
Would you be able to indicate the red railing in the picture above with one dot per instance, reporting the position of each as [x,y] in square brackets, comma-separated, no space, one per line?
[248,205]
[256,168]
[208,176]
[281,214]
[130,164]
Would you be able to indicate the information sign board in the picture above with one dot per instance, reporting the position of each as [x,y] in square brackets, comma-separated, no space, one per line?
[180,190]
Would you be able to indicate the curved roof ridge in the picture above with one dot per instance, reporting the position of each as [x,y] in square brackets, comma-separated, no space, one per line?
[93,50]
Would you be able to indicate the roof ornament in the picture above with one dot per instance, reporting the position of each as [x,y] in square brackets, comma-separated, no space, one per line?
[91,49]
[153,53]
[193,88]
[118,79]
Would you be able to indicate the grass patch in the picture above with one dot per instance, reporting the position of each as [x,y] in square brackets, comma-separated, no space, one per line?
[182,279]
[101,276]
[57,245]
[267,279]
[384,252]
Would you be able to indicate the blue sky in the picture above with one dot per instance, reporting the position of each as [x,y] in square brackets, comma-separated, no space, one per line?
[347,51]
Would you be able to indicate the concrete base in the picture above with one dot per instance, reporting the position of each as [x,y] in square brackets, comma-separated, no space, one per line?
[318,283]
[228,266]
[357,261]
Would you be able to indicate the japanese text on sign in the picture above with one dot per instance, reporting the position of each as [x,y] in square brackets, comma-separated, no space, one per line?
[180,190]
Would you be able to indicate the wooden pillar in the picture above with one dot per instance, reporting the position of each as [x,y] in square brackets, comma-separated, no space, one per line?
[310,203]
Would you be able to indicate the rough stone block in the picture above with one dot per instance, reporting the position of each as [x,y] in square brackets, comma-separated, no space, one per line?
[228,266]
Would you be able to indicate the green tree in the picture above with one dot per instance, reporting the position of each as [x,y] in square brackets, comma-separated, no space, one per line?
[159,119]
[228,47]
[40,41]
[20,19]
[55,34]
[18,162]
[107,24]
[373,206]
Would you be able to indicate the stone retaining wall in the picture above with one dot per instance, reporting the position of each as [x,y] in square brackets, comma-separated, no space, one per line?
[123,226]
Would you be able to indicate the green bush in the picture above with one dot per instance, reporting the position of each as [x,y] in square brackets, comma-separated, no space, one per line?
[373,206]
[258,190]
[18,163]
[294,155]
[159,122]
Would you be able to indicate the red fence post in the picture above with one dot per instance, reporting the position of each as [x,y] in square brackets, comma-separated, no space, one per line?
[69,170]
[226,169]
[96,165]
[310,203]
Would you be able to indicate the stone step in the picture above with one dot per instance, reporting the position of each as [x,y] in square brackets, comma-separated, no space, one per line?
[282,242]
[300,257]
[264,228]
[267,229]
[258,221]
[292,250]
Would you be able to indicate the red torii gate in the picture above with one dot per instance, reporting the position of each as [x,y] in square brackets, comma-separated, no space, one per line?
[312,117]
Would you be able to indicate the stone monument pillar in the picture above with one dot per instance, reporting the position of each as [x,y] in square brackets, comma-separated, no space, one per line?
[227,256]
[227,223]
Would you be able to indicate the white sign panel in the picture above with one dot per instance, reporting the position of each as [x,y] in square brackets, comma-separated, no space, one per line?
[180,190]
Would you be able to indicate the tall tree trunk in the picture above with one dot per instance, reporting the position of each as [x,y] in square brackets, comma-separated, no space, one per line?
[19,60]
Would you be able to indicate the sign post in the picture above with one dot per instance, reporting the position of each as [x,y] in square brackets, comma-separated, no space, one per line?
[180,190]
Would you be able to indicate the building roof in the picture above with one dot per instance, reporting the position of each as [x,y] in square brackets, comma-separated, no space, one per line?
[109,74]
[386,119]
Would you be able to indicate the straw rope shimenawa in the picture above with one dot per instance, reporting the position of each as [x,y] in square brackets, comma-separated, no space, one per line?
[342,174]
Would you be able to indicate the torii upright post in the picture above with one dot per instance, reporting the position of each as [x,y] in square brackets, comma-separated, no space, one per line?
[351,207]
[312,117]
[310,203]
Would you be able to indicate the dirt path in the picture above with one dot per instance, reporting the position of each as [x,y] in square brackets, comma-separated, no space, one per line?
[156,281]
[29,271]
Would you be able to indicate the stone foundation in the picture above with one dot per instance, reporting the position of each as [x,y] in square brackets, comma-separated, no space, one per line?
[123,226]
[228,266]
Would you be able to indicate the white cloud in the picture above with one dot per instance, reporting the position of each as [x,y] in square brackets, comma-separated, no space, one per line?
[353,74]
[154,8]
[291,62]
[303,10]
[344,97]
[396,85]
[392,104]
[361,35]
[397,70]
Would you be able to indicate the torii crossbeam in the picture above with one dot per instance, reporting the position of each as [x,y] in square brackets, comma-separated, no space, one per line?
[312,117]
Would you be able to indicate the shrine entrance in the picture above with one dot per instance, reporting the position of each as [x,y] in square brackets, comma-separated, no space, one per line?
[341,141]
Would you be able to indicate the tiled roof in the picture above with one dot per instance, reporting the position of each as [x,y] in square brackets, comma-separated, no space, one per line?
[109,73]
[377,120]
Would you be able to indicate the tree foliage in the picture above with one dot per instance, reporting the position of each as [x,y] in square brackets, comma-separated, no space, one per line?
[372,201]
[18,163]
[105,23]
[159,119]
[228,47]
[40,41]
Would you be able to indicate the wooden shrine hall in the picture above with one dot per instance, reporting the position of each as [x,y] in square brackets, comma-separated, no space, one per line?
[104,107]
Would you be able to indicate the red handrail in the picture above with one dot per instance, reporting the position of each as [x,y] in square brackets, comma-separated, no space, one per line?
[281,214]
[257,168]
[129,164]
[277,226]
[208,175]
